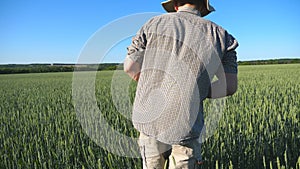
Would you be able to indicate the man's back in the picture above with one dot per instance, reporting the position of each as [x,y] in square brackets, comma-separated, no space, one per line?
[181,54]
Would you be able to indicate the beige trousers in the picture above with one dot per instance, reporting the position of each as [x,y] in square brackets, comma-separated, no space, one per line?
[187,156]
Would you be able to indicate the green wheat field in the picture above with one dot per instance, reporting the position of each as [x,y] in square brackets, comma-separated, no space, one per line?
[260,126]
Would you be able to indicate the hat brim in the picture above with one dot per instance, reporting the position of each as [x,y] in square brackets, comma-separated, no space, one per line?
[169,7]
[207,8]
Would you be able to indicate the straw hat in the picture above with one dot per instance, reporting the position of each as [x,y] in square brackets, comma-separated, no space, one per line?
[205,9]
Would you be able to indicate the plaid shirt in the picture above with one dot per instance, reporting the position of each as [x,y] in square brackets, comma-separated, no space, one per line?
[179,54]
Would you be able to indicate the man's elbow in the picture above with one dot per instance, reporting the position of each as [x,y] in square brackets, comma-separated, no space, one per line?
[231,90]
[232,83]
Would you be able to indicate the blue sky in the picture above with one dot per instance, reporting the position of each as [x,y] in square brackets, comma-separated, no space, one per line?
[55,31]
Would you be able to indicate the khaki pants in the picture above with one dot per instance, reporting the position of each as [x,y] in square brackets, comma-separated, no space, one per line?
[187,156]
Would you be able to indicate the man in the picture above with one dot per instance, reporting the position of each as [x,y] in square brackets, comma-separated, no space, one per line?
[174,58]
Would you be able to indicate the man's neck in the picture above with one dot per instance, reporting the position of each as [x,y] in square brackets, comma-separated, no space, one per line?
[187,5]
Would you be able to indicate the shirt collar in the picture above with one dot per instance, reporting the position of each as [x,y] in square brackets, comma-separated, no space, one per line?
[190,10]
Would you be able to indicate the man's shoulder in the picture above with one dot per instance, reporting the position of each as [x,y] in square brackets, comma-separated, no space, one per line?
[162,19]
[177,17]
[164,16]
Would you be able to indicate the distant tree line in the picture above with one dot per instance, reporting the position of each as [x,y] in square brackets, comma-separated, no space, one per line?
[271,61]
[33,69]
[43,68]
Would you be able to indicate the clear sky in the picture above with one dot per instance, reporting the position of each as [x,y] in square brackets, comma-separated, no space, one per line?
[55,31]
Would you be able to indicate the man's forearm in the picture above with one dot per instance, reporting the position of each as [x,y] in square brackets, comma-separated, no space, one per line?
[132,69]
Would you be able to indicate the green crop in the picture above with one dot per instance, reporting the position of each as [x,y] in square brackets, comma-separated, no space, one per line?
[259,127]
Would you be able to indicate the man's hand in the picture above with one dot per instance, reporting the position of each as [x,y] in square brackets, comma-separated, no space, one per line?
[133,69]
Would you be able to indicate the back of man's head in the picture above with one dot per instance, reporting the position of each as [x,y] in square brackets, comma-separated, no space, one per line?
[197,3]
[202,5]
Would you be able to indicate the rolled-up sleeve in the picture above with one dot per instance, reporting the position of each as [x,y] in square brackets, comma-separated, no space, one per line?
[137,48]
[229,60]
